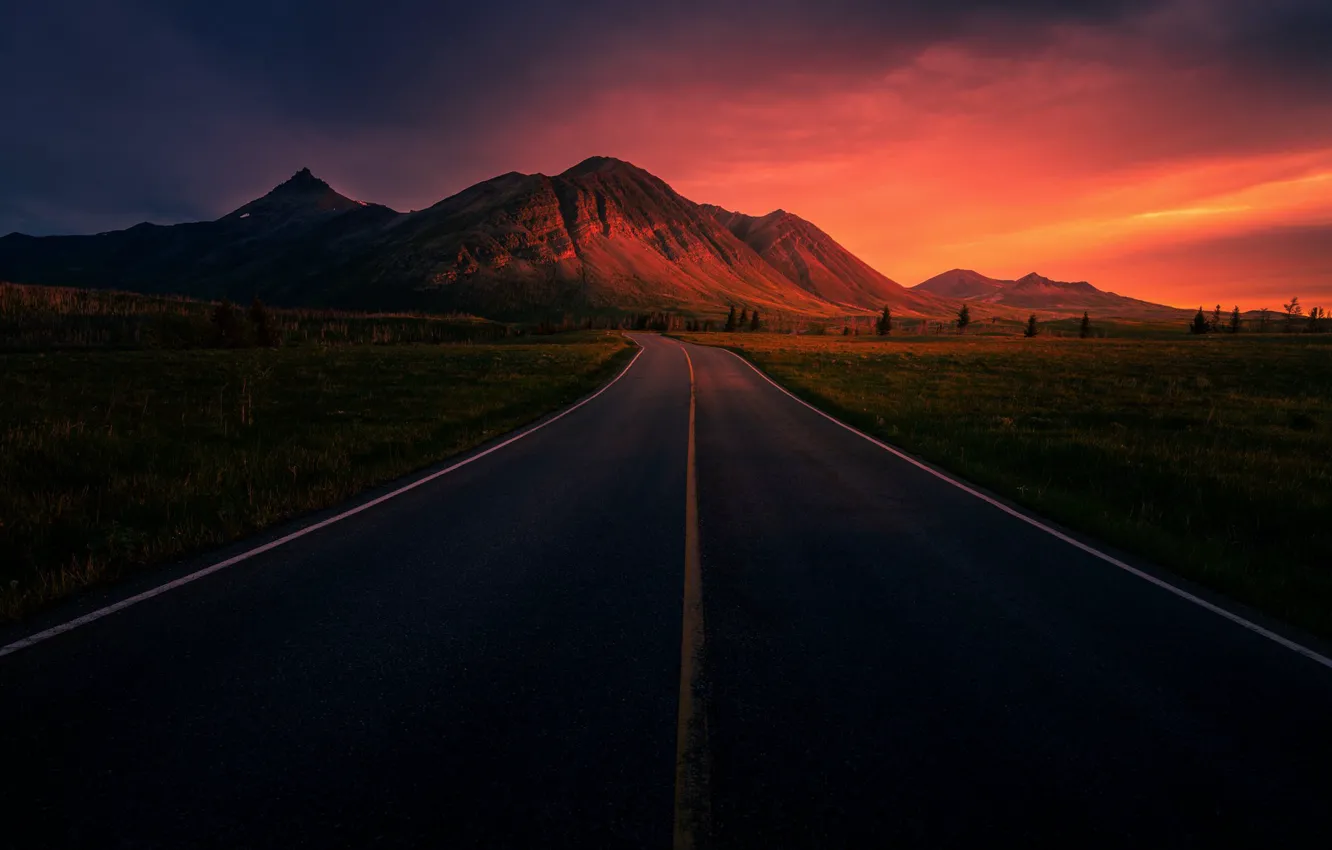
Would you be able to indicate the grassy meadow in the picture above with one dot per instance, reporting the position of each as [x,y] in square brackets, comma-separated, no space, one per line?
[1211,456]
[114,458]
[53,317]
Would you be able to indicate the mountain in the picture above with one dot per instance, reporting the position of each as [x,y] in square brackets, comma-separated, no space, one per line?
[604,234]
[816,263]
[961,283]
[1034,292]
[276,246]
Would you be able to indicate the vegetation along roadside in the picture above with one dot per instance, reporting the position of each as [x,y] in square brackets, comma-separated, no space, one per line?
[1210,456]
[115,460]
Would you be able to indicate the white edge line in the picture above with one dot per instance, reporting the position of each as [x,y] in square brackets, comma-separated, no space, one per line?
[93,616]
[1109,559]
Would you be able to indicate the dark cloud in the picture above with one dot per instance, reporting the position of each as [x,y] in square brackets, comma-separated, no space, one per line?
[1291,38]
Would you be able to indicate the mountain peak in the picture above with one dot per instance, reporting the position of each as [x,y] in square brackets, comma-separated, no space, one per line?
[300,196]
[303,182]
[600,165]
[1034,279]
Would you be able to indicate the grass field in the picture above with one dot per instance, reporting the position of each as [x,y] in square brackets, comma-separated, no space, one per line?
[1211,456]
[115,460]
[42,318]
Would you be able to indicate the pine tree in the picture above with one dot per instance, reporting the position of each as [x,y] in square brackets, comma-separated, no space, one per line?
[884,326]
[1293,311]
[1235,320]
[1032,328]
[730,319]
[963,318]
[744,318]
[1215,324]
[264,334]
[1084,330]
[1199,325]
[227,325]
[754,323]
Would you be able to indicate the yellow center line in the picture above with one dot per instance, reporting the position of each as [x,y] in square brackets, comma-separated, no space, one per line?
[692,809]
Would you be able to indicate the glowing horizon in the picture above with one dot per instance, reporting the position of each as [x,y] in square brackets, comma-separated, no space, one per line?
[1175,151]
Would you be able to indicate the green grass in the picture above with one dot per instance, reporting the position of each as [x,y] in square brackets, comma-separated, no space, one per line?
[1210,456]
[112,461]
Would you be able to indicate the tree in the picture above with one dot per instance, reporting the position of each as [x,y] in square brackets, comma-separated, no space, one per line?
[744,318]
[264,333]
[1264,316]
[846,330]
[227,325]
[754,323]
[884,326]
[1235,320]
[730,319]
[1215,325]
[1199,325]
[1084,330]
[963,318]
[1032,328]
[1315,314]
[1293,311]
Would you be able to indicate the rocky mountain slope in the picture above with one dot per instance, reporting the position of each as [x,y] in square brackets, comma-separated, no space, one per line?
[816,263]
[603,234]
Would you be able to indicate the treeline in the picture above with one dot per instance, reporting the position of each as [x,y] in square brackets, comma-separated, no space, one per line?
[46,317]
[885,323]
[1291,319]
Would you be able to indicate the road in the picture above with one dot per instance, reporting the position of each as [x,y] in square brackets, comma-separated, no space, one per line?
[494,659]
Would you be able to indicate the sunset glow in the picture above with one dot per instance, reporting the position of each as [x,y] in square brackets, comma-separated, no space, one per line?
[1151,148]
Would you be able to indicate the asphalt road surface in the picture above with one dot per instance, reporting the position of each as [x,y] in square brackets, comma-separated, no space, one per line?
[494,659]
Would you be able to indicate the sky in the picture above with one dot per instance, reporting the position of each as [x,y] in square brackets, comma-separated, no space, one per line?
[1178,151]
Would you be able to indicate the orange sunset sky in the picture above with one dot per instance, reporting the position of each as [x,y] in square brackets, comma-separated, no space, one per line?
[1178,151]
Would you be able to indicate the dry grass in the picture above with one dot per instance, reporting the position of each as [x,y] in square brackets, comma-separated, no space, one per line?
[116,460]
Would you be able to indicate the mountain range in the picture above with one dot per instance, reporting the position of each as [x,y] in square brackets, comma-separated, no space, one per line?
[1034,292]
[604,235]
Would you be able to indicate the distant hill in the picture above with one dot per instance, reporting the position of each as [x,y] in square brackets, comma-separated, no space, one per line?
[1035,292]
[815,262]
[601,235]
